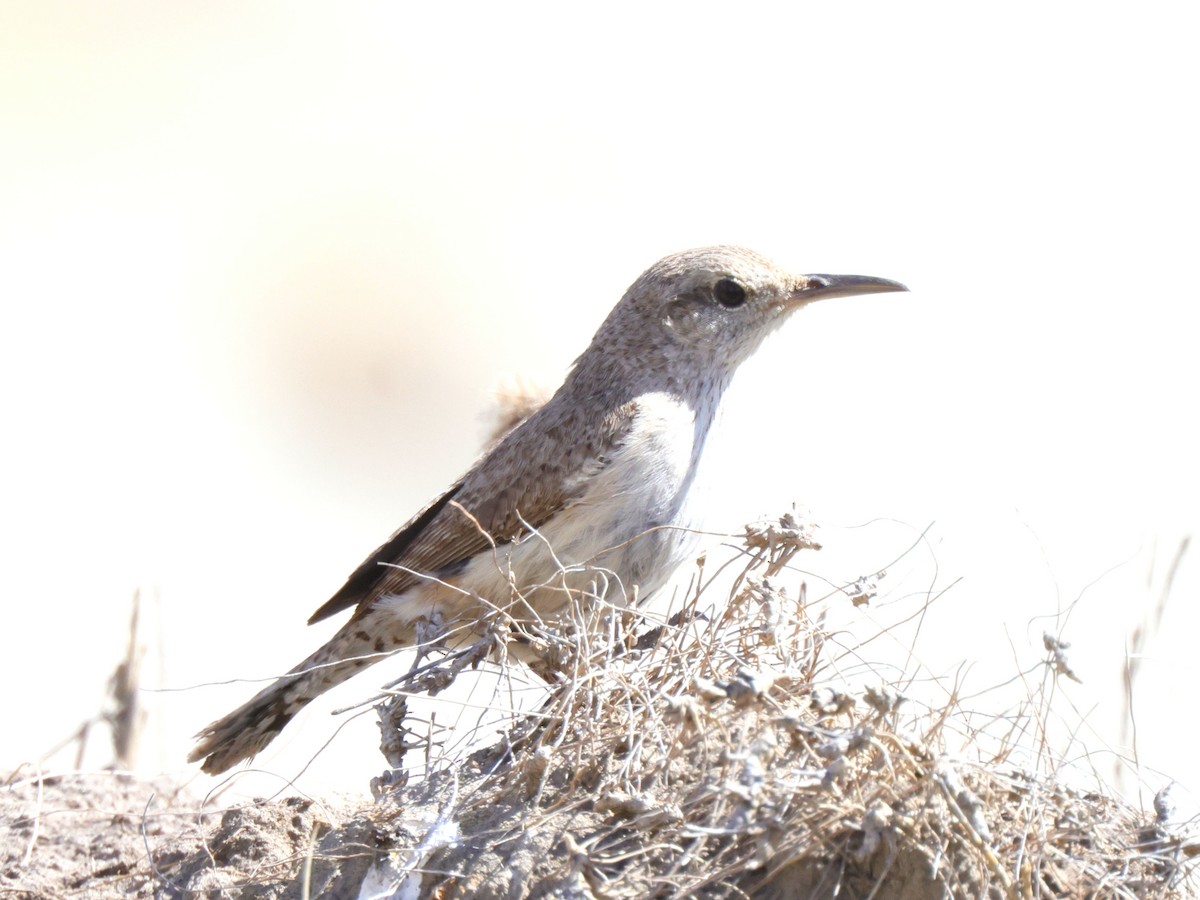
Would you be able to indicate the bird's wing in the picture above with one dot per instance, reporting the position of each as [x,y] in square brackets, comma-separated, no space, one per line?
[505,494]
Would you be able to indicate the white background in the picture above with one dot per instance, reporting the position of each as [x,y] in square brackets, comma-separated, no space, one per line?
[262,266]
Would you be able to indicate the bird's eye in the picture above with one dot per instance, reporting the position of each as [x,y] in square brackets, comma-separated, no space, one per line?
[729,293]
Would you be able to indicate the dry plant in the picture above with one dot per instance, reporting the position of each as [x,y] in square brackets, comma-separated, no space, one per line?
[125,716]
[723,756]
[711,752]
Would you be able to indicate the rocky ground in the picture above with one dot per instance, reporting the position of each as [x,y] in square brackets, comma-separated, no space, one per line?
[699,757]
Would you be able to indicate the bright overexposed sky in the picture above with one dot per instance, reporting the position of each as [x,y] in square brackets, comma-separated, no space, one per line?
[262,266]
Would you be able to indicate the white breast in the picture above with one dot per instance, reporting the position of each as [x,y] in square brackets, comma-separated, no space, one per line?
[628,529]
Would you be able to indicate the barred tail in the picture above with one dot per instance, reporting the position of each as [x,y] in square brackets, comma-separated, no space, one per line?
[249,728]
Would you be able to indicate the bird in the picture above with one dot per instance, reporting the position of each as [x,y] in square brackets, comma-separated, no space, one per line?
[590,495]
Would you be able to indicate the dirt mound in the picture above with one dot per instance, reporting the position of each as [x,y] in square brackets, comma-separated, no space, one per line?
[711,757]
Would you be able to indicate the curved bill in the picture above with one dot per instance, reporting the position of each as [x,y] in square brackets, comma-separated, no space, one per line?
[819,287]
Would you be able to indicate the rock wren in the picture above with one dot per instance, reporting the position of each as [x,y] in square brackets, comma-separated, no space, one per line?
[596,480]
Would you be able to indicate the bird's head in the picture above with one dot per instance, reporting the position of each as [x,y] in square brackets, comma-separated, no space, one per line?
[701,313]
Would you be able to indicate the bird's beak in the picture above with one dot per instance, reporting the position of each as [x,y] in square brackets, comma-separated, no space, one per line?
[820,287]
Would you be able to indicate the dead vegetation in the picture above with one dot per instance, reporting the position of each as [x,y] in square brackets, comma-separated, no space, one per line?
[712,753]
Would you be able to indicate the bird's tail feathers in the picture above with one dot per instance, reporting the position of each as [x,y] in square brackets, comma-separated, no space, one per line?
[249,728]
